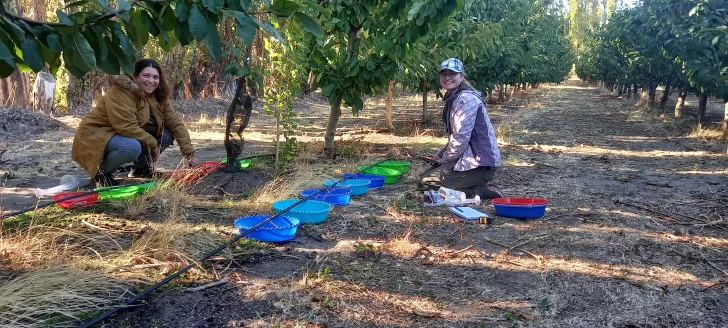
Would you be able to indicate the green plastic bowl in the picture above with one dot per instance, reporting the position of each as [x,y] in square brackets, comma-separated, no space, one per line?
[144,186]
[244,163]
[391,175]
[119,193]
[402,166]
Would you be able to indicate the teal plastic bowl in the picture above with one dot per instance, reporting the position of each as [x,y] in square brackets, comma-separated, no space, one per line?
[310,211]
[358,186]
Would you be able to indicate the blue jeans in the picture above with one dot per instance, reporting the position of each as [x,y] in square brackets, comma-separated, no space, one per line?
[121,150]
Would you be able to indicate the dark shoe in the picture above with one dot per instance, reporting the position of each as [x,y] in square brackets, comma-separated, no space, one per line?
[144,173]
[489,191]
[105,180]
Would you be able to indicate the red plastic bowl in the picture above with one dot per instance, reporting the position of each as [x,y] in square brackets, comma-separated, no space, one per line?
[81,201]
[522,208]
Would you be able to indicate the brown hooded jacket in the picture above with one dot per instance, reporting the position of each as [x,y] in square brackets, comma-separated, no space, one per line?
[124,109]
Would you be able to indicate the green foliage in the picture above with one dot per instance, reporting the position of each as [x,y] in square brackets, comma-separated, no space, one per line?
[100,35]
[681,42]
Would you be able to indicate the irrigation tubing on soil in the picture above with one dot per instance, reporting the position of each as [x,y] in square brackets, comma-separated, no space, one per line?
[213,252]
[32,208]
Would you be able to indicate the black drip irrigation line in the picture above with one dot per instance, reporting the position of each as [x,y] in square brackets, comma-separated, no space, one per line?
[215,251]
[33,208]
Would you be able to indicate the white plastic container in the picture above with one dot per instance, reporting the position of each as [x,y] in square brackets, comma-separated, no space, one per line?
[446,196]
[68,182]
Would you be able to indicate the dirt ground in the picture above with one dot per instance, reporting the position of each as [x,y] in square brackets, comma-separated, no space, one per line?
[634,235]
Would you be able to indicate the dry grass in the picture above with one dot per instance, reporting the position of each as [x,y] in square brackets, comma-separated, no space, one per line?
[56,297]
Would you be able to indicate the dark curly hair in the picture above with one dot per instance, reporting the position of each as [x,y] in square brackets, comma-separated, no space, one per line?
[162,91]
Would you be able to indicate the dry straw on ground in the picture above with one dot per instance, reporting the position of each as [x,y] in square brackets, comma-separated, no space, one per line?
[56,297]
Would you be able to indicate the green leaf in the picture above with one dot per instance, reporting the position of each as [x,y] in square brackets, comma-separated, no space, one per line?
[309,24]
[169,20]
[715,40]
[140,28]
[54,42]
[182,9]
[150,24]
[17,33]
[166,41]
[32,55]
[182,32]
[327,90]
[268,27]
[198,23]
[6,56]
[83,55]
[246,32]
[213,42]
[123,5]
[63,18]
[284,8]
[219,4]
[110,64]
[210,5]
[245,4]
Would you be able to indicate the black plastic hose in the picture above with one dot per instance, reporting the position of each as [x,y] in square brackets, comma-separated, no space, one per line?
[213,252]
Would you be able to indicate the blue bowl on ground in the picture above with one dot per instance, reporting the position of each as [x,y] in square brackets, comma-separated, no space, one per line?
[279,229]
[375,181]
[310,211]
[520,208]
[358,186]
[333,196]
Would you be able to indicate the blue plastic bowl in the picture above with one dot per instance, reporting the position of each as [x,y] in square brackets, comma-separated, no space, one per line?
[520,208]
[358,186]
[333,196]
[310,211]
[279,229]
[376,181]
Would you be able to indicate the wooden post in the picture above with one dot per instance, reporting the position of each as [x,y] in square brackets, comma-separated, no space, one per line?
[424,101]
[390,91]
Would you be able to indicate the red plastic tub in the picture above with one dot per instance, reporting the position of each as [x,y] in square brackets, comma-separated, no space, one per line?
[81,201]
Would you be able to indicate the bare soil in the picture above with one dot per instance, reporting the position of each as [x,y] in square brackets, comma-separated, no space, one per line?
[634,235]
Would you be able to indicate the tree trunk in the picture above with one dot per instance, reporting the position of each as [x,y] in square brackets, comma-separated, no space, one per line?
[333,122]
[424,102]
[702,105]
[620,90]
[665,95]
[651,94]
[513,91]
[501,92]
[330,135]
[725,117]
[682,94]
[388,118]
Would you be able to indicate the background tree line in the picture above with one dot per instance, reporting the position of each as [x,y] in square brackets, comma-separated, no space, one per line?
[347,49]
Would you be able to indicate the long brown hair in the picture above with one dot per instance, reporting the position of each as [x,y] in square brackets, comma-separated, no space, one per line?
[162,91]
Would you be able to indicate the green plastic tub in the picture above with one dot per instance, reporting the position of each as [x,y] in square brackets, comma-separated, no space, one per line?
[119,193]
[402,166]
[244,163]
[144,186]
[391,175]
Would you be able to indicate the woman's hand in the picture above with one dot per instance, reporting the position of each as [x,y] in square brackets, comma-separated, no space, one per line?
[155,154]
[192,161]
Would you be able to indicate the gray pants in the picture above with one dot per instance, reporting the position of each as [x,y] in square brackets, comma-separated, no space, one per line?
[444,176]
[121,150]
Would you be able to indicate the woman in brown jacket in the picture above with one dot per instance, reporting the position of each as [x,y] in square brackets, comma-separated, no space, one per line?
[133,121]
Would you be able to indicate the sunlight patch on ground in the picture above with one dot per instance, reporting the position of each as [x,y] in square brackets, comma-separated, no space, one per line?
[582,149]
[637,274]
